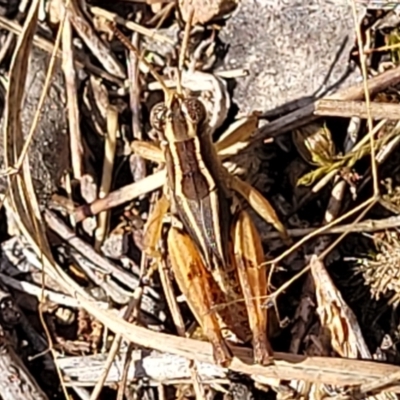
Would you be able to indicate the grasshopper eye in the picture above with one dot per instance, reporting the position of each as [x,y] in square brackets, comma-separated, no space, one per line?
[195,110]
[157,116]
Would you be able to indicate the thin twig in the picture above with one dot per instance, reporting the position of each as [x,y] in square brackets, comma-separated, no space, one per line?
[348,109]
[369,225]
[110,146]
[72,102]
[363,62]
[110,16]
[138,164]
[121,196]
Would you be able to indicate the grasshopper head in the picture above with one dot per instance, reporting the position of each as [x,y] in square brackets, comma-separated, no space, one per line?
[178,118]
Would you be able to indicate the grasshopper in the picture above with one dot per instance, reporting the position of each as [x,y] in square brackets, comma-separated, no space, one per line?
[214,248]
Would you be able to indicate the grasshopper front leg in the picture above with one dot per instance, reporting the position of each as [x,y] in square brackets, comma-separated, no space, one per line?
[248,255]
[148,151]
[197,285]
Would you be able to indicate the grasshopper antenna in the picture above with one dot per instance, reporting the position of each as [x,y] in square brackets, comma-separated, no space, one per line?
[182,55]
[126,42]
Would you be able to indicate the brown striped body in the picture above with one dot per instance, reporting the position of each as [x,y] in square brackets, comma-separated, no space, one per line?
[198,195]
[202,203]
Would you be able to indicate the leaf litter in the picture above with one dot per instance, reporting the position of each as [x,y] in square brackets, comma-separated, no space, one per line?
[84,314]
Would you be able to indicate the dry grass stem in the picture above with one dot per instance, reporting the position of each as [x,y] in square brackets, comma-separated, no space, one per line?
[106,177]
[76,148]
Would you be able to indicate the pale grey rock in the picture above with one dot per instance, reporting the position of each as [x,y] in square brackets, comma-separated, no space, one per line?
[49,150]
[292,48]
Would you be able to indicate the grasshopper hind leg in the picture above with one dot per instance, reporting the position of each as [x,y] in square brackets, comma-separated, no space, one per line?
[153,227]
[260,205]
[248,255]
[196,284]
